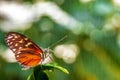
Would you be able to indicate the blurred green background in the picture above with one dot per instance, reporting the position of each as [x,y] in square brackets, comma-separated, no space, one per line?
[90,52]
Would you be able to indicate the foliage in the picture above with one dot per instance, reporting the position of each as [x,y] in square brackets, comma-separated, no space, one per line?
[39,73]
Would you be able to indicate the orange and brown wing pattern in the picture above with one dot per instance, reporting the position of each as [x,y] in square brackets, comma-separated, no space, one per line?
[26,58]
[26,51]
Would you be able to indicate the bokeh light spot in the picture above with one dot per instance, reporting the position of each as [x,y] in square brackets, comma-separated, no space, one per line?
[67,52]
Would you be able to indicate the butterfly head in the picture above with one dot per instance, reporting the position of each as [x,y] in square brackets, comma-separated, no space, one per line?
[46,52]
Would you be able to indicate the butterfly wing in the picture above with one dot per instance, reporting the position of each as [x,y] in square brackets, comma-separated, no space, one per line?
[27,58]
[26,52]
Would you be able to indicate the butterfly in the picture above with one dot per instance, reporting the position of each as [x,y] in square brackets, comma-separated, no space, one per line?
[26,52]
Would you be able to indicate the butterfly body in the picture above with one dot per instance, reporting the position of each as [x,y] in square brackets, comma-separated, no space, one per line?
[26,52]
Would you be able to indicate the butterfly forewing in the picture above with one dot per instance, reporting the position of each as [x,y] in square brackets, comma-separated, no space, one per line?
[26,52]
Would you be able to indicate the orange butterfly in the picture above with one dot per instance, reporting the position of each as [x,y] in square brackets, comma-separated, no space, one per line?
[26,52]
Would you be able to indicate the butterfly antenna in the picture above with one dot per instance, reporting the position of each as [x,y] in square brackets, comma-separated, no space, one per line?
[58,41]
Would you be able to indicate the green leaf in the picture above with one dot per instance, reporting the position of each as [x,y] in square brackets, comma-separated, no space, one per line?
[51,66]
[39,74]
[56,66]
[31,77]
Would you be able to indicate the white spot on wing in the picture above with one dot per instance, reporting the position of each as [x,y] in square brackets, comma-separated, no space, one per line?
[26,39]
[9,37]
[21,41]
[10,42]
[18,52]
[17,56]
[20,47]
[16,44]
[28,44]
[13,39]
[14,49]
[15,36]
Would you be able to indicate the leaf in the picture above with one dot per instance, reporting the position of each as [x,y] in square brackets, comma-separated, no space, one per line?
[39,74]
[31,77]
[56,66]
[51,66]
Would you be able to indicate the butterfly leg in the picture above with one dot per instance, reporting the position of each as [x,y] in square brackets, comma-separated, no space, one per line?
[26,68]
